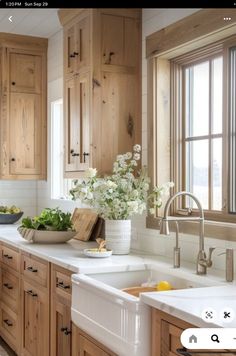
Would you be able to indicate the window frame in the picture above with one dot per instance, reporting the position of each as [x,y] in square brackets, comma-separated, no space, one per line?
[178,65]
[161,48]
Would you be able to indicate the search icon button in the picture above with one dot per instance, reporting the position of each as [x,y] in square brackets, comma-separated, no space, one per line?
[215,338]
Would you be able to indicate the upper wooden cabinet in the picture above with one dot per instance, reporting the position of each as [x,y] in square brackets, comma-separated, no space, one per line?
[120,40]
[23,107]
[77,45]
[102,86]
[25,73]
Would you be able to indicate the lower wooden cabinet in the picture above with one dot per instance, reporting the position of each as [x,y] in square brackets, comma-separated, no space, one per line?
[85,345]
[35,320]
[166,331]
[61,344]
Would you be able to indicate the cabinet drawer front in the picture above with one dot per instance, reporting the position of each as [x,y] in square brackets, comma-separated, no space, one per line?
[62,283]
[9,323]
[35,270]
[10,258]
[10,289]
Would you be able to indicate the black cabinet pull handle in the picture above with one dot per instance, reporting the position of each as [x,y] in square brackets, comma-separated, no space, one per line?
[63,286]
[72,55]
[7,286]
[13,83]
[32,269]
[65,330]
[8,322]
[85,154]
[30,292]
[8,257]
[73,153]
[76,53]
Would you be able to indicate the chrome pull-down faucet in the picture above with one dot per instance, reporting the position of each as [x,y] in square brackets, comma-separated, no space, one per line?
[202,261]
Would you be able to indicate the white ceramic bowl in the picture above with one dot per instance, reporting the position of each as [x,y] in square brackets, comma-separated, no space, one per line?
[46,237]
[90,253]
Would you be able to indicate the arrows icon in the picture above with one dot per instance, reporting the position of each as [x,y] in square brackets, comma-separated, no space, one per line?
[10,18]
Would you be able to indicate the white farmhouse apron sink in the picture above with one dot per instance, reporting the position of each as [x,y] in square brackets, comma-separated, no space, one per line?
[117,319]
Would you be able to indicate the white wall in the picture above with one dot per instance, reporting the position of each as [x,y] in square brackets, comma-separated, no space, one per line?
[23,194]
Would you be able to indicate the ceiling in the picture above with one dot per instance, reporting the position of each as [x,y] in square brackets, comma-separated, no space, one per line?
[31,22]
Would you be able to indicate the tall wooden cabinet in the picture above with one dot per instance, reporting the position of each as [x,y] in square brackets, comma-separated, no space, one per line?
[102,86]
[23,107]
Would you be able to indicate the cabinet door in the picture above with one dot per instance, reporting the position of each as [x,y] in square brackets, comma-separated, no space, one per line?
[25,134]
[82,52]
[77,140]
[61,330]
[112,39]
[77,46]
[25,73]
[170,339]
[70,49]
[83,346]
[35,333]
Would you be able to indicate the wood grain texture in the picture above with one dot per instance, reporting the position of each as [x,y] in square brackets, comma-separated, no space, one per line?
[83,221]
[23,109]
[85,345]
[198,25]
[35,331]
[109,43]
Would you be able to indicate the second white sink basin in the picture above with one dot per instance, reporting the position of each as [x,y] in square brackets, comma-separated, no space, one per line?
[115,318]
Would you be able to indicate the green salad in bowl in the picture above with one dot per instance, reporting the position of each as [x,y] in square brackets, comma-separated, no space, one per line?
[51,226]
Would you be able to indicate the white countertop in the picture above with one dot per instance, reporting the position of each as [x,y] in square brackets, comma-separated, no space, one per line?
[185,304]
[189,304]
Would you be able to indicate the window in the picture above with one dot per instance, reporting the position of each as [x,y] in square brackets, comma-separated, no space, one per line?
[202,138]
[205,94]
[59,186]
[191,118]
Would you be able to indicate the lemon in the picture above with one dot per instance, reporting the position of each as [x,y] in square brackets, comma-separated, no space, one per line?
[163,285]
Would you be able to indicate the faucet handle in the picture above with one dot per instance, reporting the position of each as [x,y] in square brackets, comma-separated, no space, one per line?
[209,260]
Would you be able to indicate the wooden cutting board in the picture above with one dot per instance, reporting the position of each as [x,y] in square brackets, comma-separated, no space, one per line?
[84,221]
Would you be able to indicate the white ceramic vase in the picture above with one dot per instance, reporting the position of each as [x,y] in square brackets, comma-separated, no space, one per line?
[118,236]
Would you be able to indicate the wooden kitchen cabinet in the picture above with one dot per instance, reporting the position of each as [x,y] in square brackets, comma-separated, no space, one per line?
[77,45]
[35,331]
[166,331]
[23,107]
[85,345]
[61,325]
[77,108]
[35,305]
[10,297]
[105,121]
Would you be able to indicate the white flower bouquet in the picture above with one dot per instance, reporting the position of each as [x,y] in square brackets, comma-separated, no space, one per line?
[122,194]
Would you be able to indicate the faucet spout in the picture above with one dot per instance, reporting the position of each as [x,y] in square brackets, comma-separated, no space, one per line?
[202,263]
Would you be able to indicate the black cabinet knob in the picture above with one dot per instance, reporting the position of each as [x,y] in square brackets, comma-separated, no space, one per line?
[13,83]
[13,159]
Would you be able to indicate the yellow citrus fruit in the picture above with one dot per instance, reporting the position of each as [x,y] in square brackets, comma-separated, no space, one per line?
[163,285]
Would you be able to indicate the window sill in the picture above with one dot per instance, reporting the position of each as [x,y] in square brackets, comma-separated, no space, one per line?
[214,229]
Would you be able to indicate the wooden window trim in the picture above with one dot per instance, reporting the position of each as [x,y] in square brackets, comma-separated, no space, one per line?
[161,48]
